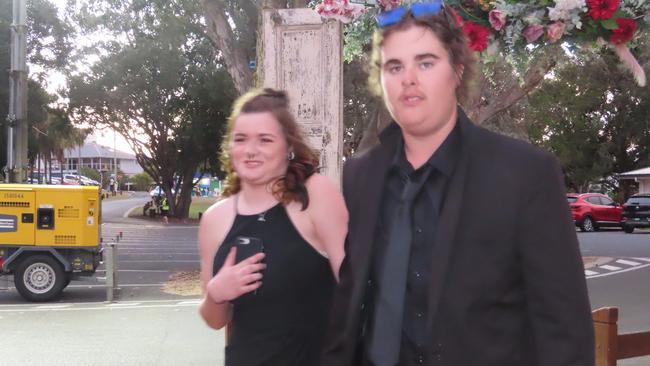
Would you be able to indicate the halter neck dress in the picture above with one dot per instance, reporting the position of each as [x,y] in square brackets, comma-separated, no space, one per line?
[280,324]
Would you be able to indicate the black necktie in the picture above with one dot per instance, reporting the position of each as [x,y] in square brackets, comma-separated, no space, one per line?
[389,308]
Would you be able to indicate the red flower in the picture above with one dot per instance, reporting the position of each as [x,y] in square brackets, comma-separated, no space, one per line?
[624,32]
[477,35]
[602,9]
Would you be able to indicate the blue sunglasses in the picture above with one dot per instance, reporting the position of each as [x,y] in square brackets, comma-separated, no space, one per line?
[388,18]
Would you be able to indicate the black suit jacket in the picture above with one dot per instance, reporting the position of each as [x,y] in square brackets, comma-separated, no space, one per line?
[507,285]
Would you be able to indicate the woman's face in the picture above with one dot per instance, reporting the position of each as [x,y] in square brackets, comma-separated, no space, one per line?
[258,148]
[418,80]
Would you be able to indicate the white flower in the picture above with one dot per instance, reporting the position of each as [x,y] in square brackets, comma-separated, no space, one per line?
[566,9]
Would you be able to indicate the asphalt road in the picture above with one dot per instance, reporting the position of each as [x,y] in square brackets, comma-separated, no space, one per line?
[629,291]
[113,210]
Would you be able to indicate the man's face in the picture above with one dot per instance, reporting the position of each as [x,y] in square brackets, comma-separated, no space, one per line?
[418,81]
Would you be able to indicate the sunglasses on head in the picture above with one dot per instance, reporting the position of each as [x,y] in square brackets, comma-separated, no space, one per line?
[393,16]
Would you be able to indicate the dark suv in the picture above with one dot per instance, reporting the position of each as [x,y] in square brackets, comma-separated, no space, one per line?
[636,212]
[592,211]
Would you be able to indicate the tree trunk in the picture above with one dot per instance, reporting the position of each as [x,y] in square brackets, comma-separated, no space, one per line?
[223,38]
[49,167]
[185,195]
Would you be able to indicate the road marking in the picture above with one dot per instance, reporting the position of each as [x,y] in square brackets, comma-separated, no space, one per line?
[610,268]
[193,302]
[621,271]
[622,263]
[51,307]
[152,304]
[128,212]
[120,285]
[140,270]
[159,261]
[629,263]
[159,253]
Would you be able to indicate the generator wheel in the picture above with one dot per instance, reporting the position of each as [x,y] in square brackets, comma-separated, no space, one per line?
[39,278]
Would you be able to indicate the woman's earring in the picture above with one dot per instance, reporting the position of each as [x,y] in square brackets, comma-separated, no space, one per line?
[291,155]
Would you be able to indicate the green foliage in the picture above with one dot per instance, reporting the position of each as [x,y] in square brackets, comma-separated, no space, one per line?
[593,117]
[90,173]
[142,181]
[48,48]
[159,83]
[358,36]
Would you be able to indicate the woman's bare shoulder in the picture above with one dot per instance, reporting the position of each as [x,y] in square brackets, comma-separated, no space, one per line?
[220,207]
[317,183]
[216,221]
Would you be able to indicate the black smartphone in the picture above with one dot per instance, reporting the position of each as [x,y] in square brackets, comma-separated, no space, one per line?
[247,246]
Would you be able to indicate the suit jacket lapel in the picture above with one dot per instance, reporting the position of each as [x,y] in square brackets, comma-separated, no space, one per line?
[448,220]
[371,190]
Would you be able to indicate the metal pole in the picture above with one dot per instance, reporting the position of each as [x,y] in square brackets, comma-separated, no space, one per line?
[109,271]
[17,127]
[115,162]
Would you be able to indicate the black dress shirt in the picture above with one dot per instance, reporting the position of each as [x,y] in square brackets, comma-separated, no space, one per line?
[426,209]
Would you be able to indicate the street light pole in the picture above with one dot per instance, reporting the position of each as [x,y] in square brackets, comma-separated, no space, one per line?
[115,162]
[15,170]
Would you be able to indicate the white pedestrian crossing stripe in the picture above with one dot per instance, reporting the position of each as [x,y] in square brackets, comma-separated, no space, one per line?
[629,263]
[621,265]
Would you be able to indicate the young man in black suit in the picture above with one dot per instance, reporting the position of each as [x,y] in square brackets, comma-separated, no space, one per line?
[461,250]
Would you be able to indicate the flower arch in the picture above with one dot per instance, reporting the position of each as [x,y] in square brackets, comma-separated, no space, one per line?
[491,25]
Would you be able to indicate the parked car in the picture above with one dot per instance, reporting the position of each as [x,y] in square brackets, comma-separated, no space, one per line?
[71,179]
[636,212]
[157,191]
[591,211]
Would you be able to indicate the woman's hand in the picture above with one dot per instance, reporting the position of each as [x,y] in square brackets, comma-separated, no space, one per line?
[234,280]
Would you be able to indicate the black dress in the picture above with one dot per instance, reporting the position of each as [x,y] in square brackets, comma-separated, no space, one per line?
[283,321]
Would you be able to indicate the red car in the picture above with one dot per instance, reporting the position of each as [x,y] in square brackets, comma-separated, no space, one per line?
[592,211]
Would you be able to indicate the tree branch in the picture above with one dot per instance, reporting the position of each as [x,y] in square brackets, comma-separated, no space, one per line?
[514,92]
[222,36]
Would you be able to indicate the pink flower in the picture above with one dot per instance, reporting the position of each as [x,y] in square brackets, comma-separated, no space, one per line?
[497,19]
[533,32]
[339,9]
[389,4]
[555,31]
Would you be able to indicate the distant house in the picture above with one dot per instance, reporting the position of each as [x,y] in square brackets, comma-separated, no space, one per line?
[640,175]
[100,158]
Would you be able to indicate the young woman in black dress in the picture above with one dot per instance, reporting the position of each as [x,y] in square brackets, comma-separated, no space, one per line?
[277,300]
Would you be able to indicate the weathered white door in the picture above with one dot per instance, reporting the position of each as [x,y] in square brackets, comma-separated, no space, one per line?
[303,56]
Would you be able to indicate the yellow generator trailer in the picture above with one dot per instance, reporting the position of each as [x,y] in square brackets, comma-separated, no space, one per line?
[49,234]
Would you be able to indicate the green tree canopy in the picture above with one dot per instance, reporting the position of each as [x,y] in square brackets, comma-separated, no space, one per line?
[48,48]
[593,117]
[160,84]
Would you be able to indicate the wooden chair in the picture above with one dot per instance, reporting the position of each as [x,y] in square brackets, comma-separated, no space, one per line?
[611,346]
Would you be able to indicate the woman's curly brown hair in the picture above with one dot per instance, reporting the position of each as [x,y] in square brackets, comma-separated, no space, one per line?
[450,34]
[291,186]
